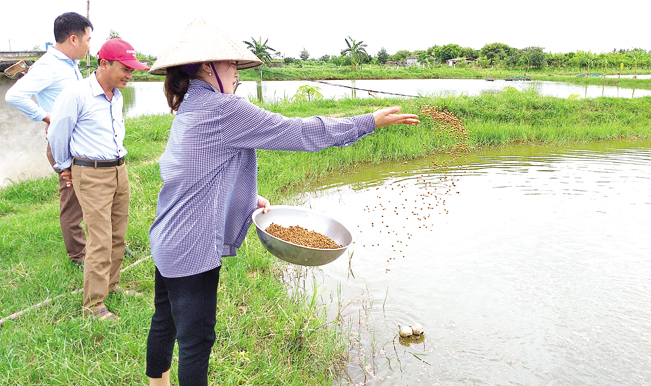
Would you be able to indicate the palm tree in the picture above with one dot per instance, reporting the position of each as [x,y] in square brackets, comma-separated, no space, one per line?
[114,35]
[356,51]
[259,49]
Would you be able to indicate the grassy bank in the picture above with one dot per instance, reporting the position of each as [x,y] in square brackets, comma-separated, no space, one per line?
[493,119]
[266,335]
[566,75]
[445,72]
[601,81]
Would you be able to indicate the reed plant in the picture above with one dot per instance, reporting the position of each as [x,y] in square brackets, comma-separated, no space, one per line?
[267,334]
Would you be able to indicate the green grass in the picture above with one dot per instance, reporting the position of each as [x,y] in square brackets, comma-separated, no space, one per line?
[628,83]
[493,119]
[266,334]
[330,72]
[567,75]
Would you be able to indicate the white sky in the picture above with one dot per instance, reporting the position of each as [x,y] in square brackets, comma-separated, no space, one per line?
[321,27]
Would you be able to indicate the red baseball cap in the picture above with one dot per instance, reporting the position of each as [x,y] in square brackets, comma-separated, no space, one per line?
[123,52]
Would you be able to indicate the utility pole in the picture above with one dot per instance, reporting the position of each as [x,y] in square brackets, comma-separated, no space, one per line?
[88,53]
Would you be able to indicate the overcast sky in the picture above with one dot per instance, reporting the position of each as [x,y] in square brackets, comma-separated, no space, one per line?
[321,27]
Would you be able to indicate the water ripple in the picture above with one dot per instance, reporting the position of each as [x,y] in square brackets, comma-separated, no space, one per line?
[523,269]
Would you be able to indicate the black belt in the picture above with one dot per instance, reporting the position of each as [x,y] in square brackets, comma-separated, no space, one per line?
[98,164]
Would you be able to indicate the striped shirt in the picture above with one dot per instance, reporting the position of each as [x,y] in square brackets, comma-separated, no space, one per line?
[209,173]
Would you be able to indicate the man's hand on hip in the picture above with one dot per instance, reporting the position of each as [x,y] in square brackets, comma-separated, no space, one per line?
[67,175]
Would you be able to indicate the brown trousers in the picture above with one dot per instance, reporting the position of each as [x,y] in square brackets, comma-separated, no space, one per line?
[104,197]
[70,216]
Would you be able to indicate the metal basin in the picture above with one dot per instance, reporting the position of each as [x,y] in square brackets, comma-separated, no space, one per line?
[297,254]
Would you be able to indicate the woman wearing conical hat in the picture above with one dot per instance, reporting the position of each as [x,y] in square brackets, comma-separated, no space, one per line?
[209,173]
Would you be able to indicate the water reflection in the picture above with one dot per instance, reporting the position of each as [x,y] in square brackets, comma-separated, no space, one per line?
[258,88]
[143,98]
[129,98]
[148,97]
[273,90]
[529,266]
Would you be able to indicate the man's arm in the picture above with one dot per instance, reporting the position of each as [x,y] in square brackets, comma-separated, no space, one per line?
[63,122]
[20,94]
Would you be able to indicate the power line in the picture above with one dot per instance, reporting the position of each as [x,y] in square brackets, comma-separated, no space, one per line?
[339,85]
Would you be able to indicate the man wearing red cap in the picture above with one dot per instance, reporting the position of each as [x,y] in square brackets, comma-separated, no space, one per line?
[86,136]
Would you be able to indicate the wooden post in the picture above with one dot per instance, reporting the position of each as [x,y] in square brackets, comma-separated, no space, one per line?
[88,53]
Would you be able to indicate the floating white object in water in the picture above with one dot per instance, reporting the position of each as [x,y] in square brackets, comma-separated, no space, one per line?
[405,331]
[417,329]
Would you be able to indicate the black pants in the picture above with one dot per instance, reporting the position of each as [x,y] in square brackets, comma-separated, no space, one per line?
[185,311]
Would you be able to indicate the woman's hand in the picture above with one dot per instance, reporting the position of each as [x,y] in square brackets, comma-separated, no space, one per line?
[388,117]
[263,203]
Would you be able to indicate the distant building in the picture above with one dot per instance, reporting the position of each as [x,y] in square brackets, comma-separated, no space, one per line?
[452,62]
[412,60]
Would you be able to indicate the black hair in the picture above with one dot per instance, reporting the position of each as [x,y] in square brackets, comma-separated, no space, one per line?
[176,85]
[70,23]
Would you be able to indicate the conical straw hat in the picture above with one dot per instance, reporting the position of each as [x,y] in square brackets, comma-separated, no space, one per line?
[203,42]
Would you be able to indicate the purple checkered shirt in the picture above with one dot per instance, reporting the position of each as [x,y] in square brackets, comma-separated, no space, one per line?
[209,173]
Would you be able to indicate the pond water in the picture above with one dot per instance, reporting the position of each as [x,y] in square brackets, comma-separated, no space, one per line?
[22,141]
[525,265]
[148,98]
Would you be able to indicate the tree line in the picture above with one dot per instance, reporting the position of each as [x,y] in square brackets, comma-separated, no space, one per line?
[491,55]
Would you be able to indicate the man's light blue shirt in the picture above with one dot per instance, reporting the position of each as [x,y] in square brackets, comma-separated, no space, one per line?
[86,124]
[50,75]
